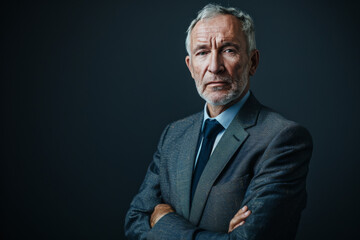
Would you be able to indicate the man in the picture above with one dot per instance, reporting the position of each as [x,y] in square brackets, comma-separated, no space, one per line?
[237,154]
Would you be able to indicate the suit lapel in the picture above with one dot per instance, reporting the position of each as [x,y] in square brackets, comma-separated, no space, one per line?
[185,164]
[232,139]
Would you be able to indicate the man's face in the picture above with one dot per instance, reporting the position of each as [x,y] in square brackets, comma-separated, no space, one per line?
[219,62]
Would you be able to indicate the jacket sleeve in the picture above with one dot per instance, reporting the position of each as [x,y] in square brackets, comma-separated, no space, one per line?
[276,195]
[137,220]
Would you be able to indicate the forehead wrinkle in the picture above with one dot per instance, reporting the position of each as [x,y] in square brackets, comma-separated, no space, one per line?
[207,34]
[216,38]
[208,30]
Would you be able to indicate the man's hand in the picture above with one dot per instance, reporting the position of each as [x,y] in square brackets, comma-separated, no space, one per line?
[160,210]
[239,218]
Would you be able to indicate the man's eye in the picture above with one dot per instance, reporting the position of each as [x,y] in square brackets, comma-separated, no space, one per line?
[229,50]
[202,53]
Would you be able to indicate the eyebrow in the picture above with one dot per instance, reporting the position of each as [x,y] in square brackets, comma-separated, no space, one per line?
[199,47]
[230,44]
[224,45]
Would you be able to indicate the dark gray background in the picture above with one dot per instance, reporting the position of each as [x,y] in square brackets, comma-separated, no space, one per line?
[87,87]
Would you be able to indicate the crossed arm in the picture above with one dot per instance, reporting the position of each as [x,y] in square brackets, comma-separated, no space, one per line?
[162,209]
[276,196]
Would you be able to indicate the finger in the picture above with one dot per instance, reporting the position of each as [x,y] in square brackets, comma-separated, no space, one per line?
[240,224]
[163,207]
[242,210]
[242,216]
[238,219]
[233,226]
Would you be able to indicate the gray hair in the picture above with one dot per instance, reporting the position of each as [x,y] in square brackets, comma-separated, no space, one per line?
[212,10]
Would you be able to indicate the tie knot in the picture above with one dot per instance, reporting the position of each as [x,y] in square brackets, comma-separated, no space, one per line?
[212,128]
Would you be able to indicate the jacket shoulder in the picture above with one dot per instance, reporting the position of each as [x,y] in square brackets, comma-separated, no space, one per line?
[273,123]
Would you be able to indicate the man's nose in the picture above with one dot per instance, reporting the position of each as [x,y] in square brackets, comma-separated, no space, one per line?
[216,64]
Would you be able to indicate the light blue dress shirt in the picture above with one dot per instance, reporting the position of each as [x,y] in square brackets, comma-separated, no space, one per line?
[225,118]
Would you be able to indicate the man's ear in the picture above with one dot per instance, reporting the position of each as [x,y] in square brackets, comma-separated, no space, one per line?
[254,61]
[187,61]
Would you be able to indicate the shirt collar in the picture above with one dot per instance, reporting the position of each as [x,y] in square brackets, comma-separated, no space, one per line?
[226,117]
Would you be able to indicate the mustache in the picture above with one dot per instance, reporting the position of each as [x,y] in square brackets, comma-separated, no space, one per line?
[224,79]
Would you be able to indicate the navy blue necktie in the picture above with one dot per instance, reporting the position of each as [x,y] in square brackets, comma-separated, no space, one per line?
[211,130]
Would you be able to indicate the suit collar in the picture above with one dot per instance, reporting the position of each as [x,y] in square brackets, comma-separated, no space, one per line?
[185,163]
[248,114]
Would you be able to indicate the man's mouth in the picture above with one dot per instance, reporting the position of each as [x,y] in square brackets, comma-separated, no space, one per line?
[217,84]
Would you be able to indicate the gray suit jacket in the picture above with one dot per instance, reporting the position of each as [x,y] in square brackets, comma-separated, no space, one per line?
[261,161]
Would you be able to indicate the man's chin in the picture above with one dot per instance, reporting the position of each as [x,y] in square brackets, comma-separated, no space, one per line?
[217,101]
[220,100]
